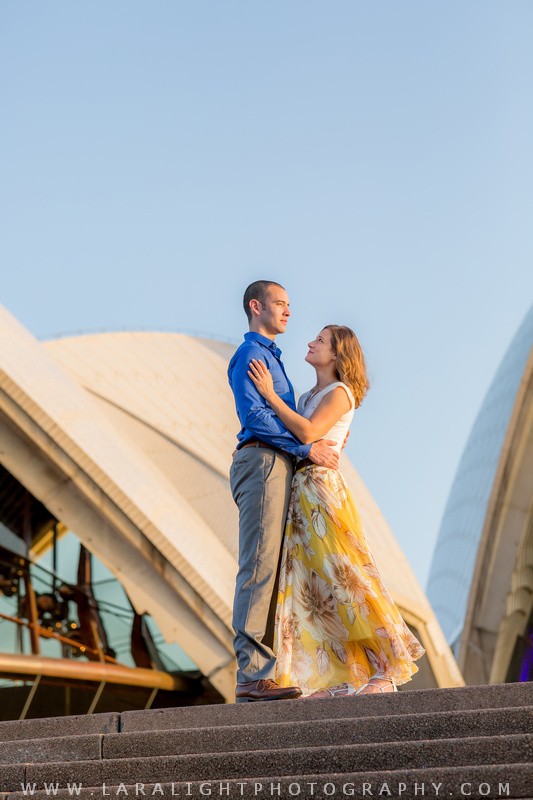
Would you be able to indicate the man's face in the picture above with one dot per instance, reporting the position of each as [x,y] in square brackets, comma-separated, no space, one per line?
[274,313]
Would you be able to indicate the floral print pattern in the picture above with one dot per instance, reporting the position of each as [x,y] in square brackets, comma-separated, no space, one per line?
[335,621]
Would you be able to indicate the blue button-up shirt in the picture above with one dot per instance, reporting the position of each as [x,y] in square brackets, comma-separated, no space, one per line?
[258,420]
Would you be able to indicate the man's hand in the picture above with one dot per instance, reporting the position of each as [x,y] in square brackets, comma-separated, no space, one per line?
[322,454]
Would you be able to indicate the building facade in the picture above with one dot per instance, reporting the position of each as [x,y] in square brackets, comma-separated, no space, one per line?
[481,579]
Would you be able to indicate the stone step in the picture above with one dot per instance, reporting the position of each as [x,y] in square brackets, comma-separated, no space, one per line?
[401,703]
[58,726]
[504,695]
[11,777]
[440,725]
[517,748]
[60,748]
[453,783]
[231,738]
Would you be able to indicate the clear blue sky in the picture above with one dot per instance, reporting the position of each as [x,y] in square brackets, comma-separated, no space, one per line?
[374,157]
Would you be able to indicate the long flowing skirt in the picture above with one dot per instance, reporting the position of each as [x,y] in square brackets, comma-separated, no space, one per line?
[335,621]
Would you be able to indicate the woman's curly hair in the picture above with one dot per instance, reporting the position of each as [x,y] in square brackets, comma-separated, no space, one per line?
[350,363]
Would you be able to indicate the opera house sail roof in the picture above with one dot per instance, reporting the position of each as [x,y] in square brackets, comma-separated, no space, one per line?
[472,549]
[125,439]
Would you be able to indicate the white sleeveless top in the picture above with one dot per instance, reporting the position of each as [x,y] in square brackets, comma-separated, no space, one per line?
[306,406]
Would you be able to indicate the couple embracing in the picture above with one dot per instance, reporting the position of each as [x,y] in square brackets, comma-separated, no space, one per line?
[311,615]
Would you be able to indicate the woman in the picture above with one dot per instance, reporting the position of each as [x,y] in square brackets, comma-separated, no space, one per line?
[338,631]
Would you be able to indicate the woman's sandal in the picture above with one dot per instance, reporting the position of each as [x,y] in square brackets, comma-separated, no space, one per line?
[342,690]
[382,689]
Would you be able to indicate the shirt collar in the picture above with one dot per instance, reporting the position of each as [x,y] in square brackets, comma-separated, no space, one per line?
[264,340]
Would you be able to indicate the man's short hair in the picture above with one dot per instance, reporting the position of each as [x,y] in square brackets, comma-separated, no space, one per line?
[257,291]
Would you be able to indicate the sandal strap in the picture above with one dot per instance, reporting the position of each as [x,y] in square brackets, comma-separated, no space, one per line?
[343,689]
[371,680]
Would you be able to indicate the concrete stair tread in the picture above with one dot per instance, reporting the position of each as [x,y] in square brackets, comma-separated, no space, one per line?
[473,731]
[451,778]
[230,738]
[404,702]
[305,760]
[69,748]
[59,726]
[348,730]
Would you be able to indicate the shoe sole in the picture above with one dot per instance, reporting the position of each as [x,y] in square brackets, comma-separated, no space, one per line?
[266,699]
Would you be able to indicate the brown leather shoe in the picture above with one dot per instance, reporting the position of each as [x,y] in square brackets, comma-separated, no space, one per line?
[265,690]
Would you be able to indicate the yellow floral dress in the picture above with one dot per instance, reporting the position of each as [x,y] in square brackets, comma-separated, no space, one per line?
[335,621]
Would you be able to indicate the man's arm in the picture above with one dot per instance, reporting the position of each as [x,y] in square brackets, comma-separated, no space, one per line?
[307,430]
[256,415]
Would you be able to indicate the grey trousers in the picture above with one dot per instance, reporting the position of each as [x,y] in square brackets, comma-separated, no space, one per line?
[260,482]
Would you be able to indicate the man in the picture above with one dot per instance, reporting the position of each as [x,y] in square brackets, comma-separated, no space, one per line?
[260,480]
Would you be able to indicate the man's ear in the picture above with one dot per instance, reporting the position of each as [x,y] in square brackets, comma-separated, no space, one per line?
[255,307]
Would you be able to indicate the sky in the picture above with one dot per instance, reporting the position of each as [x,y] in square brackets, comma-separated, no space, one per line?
[373,157]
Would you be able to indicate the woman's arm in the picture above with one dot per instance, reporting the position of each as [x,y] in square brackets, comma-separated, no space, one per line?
[330,409]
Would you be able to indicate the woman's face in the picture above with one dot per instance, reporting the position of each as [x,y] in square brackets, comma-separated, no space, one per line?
[320,352]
